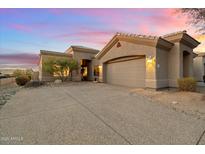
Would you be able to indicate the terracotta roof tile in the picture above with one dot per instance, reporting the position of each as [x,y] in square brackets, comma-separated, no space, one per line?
[137,35]
[175,33]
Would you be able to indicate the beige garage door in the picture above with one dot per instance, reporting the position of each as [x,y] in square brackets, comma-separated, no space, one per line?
[126,73]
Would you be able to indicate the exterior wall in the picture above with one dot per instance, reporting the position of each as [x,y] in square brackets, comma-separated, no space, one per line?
[44,76]
[127,49]
[162,68]
[95,62]
[7,81]
[204,64]
[199,68]
[35,76]
[173,65]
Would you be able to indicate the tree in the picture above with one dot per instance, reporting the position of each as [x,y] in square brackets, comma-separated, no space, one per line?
[58,67]
[73,65]
[197,17]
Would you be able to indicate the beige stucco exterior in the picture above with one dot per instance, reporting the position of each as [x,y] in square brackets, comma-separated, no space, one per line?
[162,60]
[83,53]
[74,52]
[172,56]
[199,67]
[49,55]
[130,49]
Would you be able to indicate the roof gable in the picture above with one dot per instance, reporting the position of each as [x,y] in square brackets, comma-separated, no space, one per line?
[136,39]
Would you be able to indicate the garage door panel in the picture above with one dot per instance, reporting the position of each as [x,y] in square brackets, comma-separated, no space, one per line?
[128,73]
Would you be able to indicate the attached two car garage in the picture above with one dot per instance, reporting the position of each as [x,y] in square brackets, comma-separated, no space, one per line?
[124,61]
[126,71]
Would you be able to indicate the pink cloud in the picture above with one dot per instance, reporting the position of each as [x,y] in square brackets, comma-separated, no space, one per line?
[86,35]
[21,27]
[19,58]
[101,24]
[144,29]
[157,22]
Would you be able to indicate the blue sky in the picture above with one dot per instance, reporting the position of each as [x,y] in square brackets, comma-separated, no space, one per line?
[24,32]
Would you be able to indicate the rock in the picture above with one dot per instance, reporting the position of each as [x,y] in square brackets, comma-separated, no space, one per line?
[57,81]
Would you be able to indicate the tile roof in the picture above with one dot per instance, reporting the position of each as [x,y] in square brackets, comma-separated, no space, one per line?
[137,35]
[175,33]
[46,52]
[83,47]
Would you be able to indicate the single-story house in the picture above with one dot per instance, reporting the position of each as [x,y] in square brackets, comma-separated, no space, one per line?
[133,60]
[84,56]
[199,66]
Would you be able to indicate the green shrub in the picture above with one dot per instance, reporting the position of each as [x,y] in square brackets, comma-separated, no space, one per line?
[18,73]
[22,80]
[187,84]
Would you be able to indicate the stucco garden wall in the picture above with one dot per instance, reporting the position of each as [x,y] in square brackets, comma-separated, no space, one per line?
[7,81]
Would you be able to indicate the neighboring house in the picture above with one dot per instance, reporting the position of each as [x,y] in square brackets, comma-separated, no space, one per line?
[199,66]
[137,60]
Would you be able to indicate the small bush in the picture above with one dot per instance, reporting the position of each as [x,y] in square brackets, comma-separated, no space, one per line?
[22,80]
[187,84]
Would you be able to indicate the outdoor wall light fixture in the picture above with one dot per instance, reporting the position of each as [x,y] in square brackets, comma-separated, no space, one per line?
[150,60]
[100,69]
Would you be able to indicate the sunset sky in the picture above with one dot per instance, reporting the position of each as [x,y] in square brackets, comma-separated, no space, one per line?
[24,32]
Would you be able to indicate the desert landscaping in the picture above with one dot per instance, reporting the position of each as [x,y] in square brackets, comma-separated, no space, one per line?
[192,103]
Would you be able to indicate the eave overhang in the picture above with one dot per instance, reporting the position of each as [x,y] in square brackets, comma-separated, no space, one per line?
[54,53]
[183,38]
[81,49]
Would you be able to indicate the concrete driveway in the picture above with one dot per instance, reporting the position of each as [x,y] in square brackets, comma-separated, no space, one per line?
[89,113]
